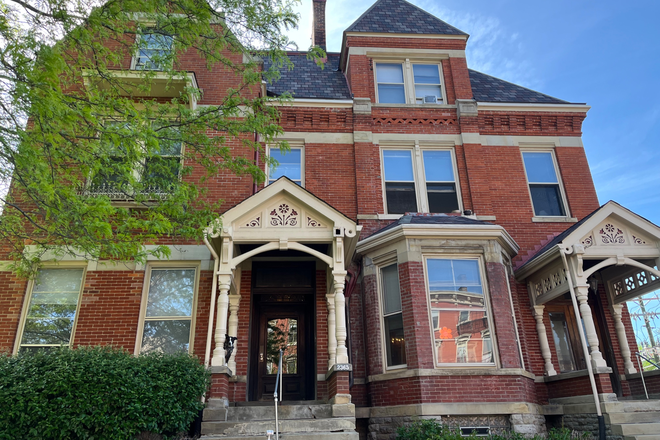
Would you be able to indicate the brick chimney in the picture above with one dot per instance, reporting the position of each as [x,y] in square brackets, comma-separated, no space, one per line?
[318,23]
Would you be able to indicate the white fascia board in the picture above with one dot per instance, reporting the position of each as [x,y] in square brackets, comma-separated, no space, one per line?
[392,35]
[487,232]
[532,107]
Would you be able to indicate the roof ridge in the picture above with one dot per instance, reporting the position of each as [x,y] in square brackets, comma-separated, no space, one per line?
[517,85]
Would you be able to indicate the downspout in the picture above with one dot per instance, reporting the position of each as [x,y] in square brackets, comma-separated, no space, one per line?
[255,187]
[214,288]
[350,287]
[585,348]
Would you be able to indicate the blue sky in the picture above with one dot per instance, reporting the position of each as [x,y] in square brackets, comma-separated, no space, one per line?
[604,53]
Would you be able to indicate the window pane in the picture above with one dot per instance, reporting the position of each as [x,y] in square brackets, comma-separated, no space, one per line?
[154,51]
[400,198]
[442,197]
[171,292]
[562,342]
[389,73]
[391,94]
[540,168]
[438,166]
[454,282]
[398,166]
[423,91]
[53,306]
[426,74]
[396,347]
[466,341]
[391,292]
[160,173]
[546,200]
[166,336]
[289,164]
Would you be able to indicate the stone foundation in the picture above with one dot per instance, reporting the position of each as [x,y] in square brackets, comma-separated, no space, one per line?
[581,423]
[384,428]
[528,424]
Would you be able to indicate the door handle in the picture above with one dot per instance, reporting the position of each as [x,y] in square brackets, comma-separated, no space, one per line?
[261,357]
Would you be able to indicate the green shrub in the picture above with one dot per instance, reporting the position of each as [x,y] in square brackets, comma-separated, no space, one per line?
[429,429]
[98,393]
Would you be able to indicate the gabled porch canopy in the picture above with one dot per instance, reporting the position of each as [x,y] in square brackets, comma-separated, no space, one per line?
[282,216]
[612,245]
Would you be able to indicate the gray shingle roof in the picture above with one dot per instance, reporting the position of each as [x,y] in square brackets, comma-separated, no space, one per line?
[433,219]
[400,17]
[486,88]
[307,80]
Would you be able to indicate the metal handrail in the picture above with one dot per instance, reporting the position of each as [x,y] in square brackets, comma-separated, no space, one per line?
[278,381]
[641,370]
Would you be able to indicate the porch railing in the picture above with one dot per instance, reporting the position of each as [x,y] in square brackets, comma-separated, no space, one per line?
[641,370]
[278,382]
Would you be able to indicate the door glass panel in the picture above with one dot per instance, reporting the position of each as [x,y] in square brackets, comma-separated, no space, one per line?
[562,342]
[282,333]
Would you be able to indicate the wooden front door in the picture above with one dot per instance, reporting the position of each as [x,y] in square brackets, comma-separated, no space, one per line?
[283,318]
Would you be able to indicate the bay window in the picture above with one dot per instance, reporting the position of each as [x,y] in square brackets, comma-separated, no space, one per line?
[459,311]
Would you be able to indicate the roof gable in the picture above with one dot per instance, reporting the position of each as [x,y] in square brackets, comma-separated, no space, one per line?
[400,17]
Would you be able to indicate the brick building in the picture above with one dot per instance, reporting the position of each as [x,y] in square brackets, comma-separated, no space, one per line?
[428,247]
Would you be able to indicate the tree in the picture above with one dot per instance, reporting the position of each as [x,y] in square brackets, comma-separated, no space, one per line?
[79,126]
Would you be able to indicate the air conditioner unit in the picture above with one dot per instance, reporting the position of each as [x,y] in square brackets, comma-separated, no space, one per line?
[430,99]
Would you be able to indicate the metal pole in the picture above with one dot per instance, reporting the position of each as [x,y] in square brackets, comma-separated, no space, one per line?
[641,374]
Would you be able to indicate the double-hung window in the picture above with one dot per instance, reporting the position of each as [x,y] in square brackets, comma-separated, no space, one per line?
[392,316]
[459,311]
[168,310]
[52,308]
[165,164]
[437,193]
[154,51]
[409,83]
[544,186]
[289,164]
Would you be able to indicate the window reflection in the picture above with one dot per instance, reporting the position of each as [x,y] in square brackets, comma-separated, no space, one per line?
[282,334]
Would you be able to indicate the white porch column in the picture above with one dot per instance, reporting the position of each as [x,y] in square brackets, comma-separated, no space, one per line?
[623,340]
[234,301]
[543,341]
[340,318]
[224,282]
[589,326]
[332,335]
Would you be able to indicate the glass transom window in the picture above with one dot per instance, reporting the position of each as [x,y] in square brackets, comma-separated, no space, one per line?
[168,317]
[543,184]
[52,309]
[289,165]
[459,313]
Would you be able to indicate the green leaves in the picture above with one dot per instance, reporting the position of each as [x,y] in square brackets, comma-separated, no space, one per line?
[98,393]
[93,95]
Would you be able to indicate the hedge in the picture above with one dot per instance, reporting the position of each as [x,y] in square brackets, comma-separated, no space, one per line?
[98,393]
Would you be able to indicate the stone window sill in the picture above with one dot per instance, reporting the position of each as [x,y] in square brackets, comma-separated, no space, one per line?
[554,219]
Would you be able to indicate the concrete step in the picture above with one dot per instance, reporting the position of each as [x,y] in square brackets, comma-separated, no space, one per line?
[632,417]
[298,436]
[286,426]
[642,437]
[253,413]
[636,429]
[641,405]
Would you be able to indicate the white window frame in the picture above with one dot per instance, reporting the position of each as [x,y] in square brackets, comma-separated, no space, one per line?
[389,261]
[182,265]
[134,60]
[28,298]
[409,80]
[560,184]
[292,146]
[417,156]
[488,306]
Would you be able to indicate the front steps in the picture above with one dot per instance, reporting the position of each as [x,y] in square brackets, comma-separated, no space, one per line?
[297,422]
[635,419]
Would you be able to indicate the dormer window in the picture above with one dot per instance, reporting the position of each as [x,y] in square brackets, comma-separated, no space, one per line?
[409,83]
[154,51]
